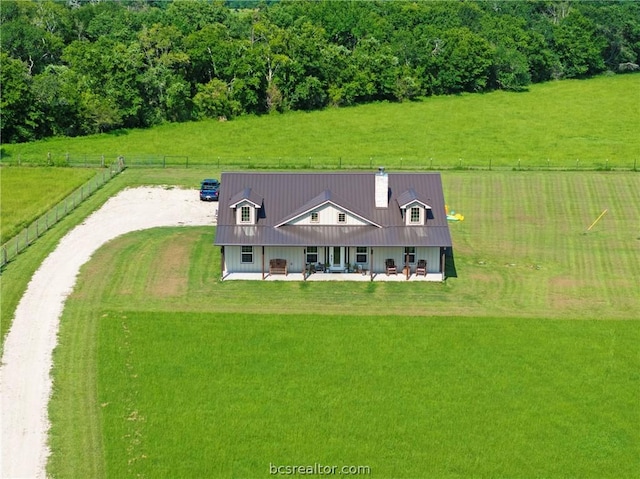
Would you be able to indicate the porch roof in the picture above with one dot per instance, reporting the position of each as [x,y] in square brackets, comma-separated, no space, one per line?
[333,236]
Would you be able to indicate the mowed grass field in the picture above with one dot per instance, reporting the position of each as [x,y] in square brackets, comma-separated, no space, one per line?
[27,193]
[565,124]
[524,363]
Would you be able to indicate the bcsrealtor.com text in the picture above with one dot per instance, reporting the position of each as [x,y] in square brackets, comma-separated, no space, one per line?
[317,469]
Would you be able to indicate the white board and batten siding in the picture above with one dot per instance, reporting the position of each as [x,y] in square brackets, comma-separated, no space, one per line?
[233,258]
[381,253]
[328,215]
[295,257]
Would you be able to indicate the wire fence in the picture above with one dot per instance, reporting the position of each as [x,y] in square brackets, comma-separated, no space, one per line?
[414,163]
[26,237]
[14,246]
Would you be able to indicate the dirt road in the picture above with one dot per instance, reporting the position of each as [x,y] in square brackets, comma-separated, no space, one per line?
[25,381]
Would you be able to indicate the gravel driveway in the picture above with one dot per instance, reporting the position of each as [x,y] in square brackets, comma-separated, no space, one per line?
[25,381]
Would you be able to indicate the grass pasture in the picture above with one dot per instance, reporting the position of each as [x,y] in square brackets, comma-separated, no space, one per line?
[523,364]
[577,124]
[27,193]
[189,395]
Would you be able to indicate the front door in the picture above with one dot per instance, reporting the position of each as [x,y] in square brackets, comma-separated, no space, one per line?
[337,258]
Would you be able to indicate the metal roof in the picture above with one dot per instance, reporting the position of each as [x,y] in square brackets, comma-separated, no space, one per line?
[410,196]
[245,195]
[288,195]
[327,196]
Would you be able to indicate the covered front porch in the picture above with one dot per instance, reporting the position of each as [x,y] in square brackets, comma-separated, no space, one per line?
[333,263]
[430,277]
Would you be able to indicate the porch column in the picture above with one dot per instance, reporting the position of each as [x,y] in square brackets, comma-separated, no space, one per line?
[406,265]
[263,262]
[371,266]
[442,263]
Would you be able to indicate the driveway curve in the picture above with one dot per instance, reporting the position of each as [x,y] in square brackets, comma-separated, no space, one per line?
[25,379]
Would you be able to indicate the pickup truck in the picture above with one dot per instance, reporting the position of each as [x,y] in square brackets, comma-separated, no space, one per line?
[209,190]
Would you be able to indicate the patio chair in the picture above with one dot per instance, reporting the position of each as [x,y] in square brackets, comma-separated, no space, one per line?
[421,268]
[390,266]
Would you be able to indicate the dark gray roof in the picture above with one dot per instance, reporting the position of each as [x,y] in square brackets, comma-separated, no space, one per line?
[327,196]
[284,196]
[409,196]
[246,194]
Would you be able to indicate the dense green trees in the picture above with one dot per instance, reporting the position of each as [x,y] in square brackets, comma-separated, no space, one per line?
[73,67]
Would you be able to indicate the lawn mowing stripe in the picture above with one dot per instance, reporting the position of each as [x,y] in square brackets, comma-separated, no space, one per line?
[450,396]
[481,290]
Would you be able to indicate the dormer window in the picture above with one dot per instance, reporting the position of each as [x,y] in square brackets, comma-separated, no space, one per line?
[314,217]
[415,215]
[245,214]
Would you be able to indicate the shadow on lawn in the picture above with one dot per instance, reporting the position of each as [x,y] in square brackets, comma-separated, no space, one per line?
[450,264]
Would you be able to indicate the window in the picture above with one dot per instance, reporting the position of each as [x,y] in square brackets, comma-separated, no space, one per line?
[361,254]
[312,254]
[409,254]
[247,254]
[342,218]
[314,217]
[415,215]
[245,214]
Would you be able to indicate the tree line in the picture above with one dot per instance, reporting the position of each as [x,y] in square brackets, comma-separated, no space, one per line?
[79,67]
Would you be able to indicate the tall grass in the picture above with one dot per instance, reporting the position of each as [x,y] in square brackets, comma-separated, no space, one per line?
[571,123]
[27,193]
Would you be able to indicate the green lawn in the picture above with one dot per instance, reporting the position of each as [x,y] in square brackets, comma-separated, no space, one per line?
[186,395]
[521,251]
[27,193]
[524,365]
[565,124]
